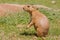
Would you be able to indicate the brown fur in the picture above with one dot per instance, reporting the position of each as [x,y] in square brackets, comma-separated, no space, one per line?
[39,21]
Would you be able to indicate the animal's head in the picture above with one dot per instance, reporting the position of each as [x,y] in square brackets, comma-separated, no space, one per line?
[29,8]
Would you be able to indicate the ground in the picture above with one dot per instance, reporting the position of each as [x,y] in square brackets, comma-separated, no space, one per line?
[13,27]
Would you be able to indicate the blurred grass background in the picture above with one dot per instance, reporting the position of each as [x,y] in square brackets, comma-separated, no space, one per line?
[15,24]
[43,2]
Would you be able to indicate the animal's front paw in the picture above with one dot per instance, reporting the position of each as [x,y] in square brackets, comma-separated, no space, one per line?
[28,26]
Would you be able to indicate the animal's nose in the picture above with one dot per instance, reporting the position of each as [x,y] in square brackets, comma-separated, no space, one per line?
[23,8]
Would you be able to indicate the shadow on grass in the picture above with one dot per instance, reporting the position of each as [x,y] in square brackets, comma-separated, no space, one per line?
[28,34]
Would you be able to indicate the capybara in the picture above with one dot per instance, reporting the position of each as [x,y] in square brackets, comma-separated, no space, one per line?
[39,20]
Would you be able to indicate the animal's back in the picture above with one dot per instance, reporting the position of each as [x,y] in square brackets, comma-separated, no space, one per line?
[42,21]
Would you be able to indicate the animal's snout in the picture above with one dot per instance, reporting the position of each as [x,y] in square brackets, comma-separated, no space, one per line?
[23,8]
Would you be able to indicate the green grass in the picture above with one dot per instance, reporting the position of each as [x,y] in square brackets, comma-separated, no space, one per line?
[9,25]
[43,2]
[15,24]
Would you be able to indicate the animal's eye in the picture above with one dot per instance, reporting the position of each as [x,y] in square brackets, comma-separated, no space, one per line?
[28,6]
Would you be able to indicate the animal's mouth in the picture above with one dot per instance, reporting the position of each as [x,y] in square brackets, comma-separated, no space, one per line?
[24,8]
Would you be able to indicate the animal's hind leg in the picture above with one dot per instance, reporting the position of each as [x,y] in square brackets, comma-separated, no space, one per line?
[40,33]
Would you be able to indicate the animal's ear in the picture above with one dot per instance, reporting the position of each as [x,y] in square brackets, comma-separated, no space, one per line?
[35,7]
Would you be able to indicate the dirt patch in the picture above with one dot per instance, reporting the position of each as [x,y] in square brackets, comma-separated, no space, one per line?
[13,8]
[10,8]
